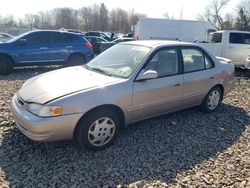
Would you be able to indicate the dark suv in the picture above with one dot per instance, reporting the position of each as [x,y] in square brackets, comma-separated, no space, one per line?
[44,47]
[101,34]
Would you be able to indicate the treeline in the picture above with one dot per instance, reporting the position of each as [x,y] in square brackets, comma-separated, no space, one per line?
[238,20]
[95,17]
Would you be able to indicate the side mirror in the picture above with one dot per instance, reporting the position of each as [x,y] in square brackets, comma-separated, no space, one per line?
[22,42]
[147,75]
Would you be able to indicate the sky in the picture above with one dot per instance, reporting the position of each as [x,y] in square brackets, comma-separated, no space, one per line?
[152,8]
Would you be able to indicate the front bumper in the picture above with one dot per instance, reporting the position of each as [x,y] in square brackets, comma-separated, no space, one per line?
[43,129]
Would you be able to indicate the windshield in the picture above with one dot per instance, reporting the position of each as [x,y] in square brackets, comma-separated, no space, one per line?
[120,60]
[17,37]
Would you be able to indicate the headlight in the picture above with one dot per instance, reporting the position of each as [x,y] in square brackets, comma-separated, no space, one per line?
[43,110]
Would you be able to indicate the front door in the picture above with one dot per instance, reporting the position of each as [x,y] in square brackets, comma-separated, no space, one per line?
[34,50]
[162,94]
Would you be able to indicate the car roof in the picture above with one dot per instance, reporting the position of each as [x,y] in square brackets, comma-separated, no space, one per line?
[58,31]
[158,43]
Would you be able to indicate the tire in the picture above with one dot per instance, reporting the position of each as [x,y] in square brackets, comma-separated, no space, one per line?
[6,65]
[98,130]
[76,59]
[212,100]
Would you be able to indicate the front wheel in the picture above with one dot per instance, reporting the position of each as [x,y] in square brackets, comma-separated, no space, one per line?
[6,65]
[212,100]
[98,129]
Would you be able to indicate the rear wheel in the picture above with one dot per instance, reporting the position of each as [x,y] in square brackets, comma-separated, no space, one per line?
[98,129]
[6,65]
[212,100]
[76,59]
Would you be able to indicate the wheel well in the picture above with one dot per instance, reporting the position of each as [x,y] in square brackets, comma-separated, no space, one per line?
[76,53]
[112,107]
[8,56]
[222,90]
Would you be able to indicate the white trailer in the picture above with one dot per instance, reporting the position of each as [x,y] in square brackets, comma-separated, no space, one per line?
[169,29]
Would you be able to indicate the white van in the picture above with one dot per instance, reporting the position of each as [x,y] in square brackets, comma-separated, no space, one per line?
[170,29]
[234,45]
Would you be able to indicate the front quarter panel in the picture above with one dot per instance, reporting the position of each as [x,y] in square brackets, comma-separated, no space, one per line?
[118,94]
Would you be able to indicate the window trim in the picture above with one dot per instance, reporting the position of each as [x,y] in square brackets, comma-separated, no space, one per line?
[204,54]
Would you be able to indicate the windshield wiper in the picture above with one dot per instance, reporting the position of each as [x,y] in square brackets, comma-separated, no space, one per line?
[98,70]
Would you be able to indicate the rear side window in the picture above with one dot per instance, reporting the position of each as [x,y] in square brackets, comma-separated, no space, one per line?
[246,38]
[68,37]
[193,60]
[56,37]
[236,38]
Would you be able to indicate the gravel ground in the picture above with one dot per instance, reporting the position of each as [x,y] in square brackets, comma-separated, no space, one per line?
[184,149]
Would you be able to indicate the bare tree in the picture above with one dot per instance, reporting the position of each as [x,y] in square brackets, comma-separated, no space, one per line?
[103,17]
[242,21]
[9,20]
[212,13]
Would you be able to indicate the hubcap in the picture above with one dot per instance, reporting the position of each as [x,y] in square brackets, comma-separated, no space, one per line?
[213,99]
[101,131]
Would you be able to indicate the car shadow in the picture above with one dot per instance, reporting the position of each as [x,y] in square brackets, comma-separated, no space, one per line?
[154,149]
[24,73]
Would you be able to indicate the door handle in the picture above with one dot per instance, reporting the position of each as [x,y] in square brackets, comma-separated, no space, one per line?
[69,46]
[177,85]
[211,77]
[230,47]
[43,48]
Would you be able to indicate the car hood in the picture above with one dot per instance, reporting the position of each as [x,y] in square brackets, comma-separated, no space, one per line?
[55,84]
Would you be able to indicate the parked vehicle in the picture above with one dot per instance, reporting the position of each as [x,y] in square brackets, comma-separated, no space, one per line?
[96,43]
[44,47]
[128,82]
[5,36]
[105,45]
[169,29]
[234,45]
[104,35]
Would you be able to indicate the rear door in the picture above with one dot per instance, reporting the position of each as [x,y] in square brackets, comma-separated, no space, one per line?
[163,94]
[246,50]
[235,47]
[199,73]
[57,49]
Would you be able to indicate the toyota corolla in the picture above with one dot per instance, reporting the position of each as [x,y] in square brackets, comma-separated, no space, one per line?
[129,82]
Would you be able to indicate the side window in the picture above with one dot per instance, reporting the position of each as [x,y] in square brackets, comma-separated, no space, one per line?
[99,40]
[246,38]
[193,60]
[38,38]
[165,62]
[216,38]
[208,63]
[68,37]
[56,37]
[236,38]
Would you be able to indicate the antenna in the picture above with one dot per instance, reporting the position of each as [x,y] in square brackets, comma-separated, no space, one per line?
[179,26]
[181,11]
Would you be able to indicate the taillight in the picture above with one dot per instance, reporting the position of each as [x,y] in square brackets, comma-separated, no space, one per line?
[88,45]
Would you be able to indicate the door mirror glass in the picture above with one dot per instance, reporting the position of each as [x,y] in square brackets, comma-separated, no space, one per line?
[22,42]
[148,75]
